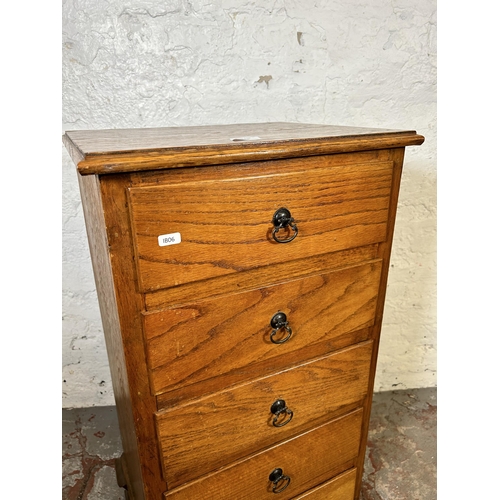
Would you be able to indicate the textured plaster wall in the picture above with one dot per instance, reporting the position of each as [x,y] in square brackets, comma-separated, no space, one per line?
[147,63]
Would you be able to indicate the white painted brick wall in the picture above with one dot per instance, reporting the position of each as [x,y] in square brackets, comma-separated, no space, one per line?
[148,63]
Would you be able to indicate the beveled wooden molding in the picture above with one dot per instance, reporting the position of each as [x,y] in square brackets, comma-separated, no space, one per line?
[136,161]
[74,152]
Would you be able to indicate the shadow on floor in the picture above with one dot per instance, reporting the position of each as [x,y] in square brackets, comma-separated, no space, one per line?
[400,461]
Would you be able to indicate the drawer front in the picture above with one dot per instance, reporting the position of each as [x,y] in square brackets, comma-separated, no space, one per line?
[214,431]
[195,342]
[224,226]
[308,459]
[339,488]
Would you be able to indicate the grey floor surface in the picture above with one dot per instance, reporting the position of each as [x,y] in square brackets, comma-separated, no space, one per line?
[400,459]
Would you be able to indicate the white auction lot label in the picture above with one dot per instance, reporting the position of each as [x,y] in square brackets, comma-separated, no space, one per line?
[169,239]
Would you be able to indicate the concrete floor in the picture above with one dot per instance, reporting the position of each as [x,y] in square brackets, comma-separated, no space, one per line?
[400,459]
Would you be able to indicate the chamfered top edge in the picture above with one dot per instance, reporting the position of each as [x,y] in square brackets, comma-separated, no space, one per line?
[117,150]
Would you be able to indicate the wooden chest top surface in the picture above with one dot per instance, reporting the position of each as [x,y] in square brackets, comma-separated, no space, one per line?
[125,150]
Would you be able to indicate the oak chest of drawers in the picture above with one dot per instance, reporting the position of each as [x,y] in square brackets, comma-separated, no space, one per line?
[241,274]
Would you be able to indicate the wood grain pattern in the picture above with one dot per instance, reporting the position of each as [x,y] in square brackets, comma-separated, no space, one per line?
[202,340]
[114,141]
[116,151]
[144,464]
[335,446]
[340,488]
[186,326]
[384,253]
[259,277]
[250,169]
[226,225]
[74,152]
[190,392]
[206,434]
[262,276]
[93,211]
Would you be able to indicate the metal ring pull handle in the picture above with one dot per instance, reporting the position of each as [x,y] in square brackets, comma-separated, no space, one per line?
[281,220]
[279,480]
[279,321]
[279,408]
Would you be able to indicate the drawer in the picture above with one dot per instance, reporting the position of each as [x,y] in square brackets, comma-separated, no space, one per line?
[206,339]
[208,433]
[339,488]
[224,226]
[308,459]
